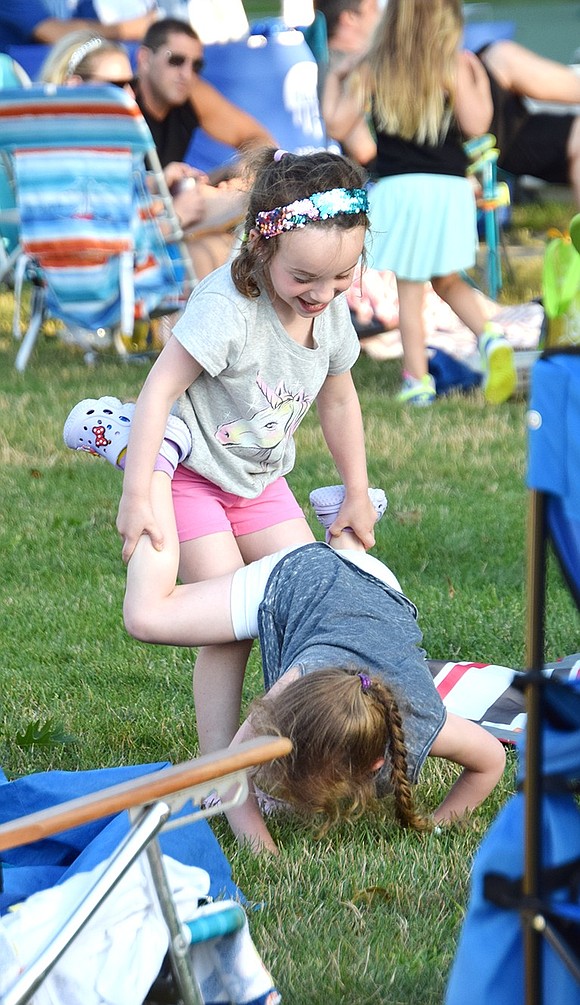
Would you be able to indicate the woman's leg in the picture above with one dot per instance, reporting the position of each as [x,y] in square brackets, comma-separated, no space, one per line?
[526,73]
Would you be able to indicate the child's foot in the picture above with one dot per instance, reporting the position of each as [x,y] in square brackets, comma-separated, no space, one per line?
[499,371]
[418,392]
[101,426]
[327,501]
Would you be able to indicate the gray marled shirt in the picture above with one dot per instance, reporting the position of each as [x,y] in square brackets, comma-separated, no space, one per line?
[321,610]
[257,383]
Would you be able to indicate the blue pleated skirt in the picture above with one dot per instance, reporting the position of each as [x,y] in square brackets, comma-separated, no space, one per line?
[422,225]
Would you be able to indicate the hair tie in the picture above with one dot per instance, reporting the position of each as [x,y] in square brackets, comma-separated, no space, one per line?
[365,682]
[279,155]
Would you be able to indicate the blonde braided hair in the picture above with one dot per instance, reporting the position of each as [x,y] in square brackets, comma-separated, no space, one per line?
[341,723]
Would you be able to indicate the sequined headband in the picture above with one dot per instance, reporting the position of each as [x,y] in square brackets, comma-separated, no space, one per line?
[319,206]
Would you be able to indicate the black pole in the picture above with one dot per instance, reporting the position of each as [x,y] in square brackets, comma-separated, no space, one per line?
[536,584]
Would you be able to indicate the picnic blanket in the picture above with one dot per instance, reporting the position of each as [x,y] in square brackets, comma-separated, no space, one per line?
[488,693]
[373,301]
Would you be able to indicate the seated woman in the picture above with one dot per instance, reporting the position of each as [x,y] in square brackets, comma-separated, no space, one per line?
[345,676]
[542,143]
[206,212]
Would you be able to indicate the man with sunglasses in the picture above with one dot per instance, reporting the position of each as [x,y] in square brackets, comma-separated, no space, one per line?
[175,100]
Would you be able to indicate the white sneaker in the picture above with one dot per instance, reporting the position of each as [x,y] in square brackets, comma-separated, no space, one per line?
[327,501]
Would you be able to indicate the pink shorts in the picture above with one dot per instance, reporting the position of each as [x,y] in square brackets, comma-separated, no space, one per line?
[202,508]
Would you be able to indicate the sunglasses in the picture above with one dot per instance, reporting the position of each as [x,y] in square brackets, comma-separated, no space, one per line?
[114,83]
[176,59]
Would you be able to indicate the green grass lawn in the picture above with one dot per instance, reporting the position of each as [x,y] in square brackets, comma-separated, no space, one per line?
[369,913]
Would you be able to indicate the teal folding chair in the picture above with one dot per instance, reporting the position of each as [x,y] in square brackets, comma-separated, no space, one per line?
[495,195]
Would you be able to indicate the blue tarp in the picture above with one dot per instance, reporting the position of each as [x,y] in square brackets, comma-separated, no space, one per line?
[50,861]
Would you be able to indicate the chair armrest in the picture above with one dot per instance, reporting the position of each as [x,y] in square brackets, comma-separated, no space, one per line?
[142,791]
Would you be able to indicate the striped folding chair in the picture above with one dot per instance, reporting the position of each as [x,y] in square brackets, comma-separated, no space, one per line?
[101,243]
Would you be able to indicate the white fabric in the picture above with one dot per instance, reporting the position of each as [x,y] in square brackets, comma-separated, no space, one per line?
[119,953]
[112,12]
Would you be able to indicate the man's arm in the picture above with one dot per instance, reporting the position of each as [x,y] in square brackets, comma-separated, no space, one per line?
[50,30]
[225,121]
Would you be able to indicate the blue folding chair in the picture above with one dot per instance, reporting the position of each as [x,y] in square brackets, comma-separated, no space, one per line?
[91,842]
[273,75]
[521,938]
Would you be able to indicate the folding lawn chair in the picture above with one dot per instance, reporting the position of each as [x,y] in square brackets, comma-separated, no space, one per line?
[154,801]
[99,248]
[495,196]
[521,938]
[11,75]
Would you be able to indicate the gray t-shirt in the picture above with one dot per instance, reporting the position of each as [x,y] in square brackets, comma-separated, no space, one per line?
[257,383]
[320,610]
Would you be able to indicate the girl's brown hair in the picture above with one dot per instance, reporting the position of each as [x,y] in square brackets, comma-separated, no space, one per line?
[409,76]
[340,724]
[278,182]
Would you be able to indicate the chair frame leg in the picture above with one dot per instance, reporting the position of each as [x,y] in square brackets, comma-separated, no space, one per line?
[181,964]
[536,583]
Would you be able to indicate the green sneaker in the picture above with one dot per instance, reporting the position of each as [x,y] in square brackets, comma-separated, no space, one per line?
[418,392]
[499,370]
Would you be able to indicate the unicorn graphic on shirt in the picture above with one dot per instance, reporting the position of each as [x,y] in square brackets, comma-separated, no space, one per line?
[267,431]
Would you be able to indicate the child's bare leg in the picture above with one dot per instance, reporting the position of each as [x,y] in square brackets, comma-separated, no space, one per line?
[217,693]
[282,535]
[411,297]
[497,355]
[219,670]
[463,300]
[155,609]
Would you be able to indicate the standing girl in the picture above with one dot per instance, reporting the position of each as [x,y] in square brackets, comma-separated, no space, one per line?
[426,96]
[259,341]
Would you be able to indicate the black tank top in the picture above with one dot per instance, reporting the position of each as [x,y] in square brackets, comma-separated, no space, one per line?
[172,135]
[397,156]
